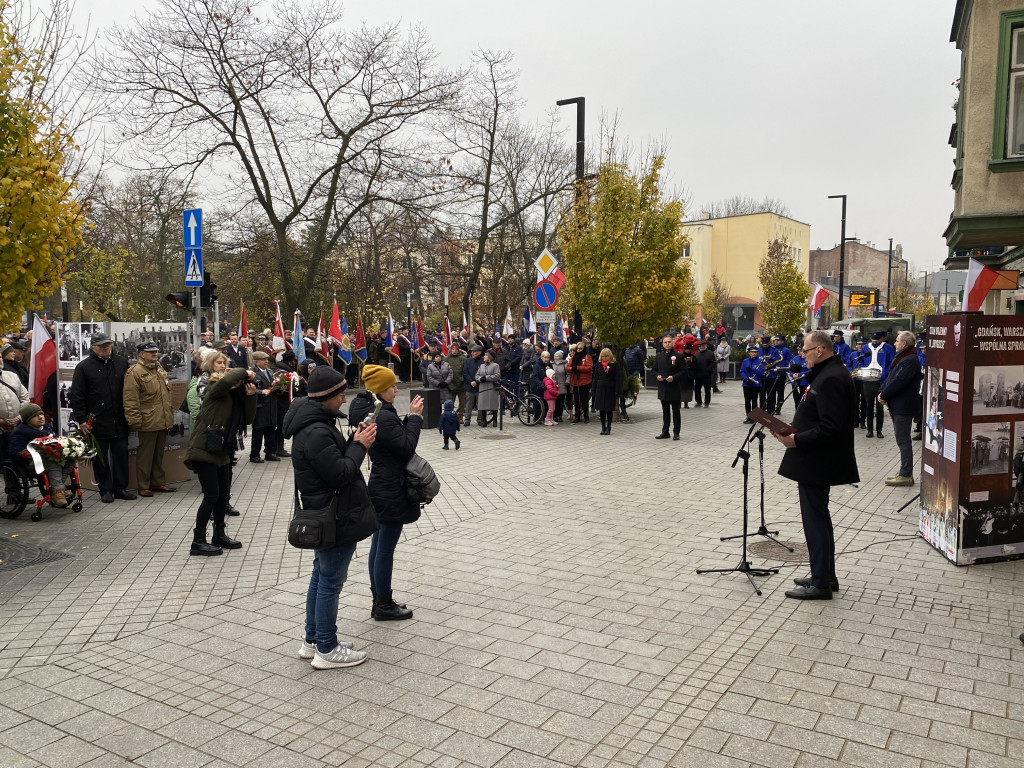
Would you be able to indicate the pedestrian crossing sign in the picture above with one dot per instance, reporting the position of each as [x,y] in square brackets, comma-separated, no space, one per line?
[193,267]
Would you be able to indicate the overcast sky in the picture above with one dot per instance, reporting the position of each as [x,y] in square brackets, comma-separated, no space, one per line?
[796,99]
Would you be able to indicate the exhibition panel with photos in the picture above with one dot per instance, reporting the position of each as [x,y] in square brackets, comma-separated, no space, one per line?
[973,424]
[73,345]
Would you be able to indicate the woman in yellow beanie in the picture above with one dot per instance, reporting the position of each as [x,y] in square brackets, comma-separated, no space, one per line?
[395,444]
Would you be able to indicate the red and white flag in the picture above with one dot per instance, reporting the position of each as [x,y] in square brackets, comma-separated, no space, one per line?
[321,340]
[243,326]
[334,331]
[979,282]
[819,295]
[446,336]
[278,344]
[465,326]
[44,361]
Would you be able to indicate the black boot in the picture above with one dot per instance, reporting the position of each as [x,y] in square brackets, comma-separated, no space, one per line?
[199,545]
[373,608]
[221,538]
[388,610]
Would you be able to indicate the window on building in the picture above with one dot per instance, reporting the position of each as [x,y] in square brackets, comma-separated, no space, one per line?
[829,274]
[686,252]
[1015,104]
[1008,136]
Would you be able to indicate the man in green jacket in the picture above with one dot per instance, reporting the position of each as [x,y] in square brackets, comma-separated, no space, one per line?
[457,360]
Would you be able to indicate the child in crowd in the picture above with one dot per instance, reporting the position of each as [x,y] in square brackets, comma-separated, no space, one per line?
[33,425]
[448,424]
[550,396]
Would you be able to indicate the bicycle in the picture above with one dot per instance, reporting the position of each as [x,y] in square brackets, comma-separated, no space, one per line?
[527,408]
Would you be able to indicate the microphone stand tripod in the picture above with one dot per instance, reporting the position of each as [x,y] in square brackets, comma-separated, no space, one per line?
[744,566]
[762,529]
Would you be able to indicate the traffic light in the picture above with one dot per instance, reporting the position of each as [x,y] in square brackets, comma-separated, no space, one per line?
[208,291]
[181,299]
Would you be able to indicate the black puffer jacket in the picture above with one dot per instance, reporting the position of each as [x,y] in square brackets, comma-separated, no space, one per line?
[97,390]
[323,460]
[396,443]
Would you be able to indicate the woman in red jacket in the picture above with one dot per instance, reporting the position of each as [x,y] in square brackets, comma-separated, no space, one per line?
[581,373]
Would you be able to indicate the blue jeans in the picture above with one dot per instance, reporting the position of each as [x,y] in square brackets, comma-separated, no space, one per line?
[382,557]
[330,568]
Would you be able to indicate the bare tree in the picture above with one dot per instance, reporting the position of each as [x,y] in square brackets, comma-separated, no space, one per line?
[293,114]
[503,169]
[739,205]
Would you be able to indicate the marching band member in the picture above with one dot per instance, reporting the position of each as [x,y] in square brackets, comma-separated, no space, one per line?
[840,348]
[856,360]
[798,379]
[752,373]
[781,357]
[878,356]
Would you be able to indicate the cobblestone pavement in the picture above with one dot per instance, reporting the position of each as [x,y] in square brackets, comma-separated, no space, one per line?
[559,621]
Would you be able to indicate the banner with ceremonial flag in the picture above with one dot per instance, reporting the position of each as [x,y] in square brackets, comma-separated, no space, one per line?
[298,342]
[44,362]
[359,348]
[980,280]
[414,341]
[322,344]
[278,343]
[465,325]
[243,326]
[446,336]
[424,349]
[528,324]
[334,331]
[819,295]
[559,330]
[345,349]
[508,322]
[391,341]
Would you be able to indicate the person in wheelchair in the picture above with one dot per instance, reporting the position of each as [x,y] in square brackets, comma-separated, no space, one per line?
[33,425]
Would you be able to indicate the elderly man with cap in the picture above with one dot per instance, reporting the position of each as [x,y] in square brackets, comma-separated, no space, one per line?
[147,408]
[97,404]
[876,358]
[13,352]
[265,422]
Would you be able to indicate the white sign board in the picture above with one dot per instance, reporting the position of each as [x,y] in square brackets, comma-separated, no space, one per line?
[545,317]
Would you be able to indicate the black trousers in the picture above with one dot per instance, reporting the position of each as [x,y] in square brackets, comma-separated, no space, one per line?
[216,484]
[875,411]
[581,402]
[858,384]
[775,389]
[821,542]
[751,395]
[112,475]
[701,388]
[670,408]
[261,435]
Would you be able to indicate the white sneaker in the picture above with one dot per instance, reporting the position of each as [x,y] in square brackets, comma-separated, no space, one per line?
[342,656]
[308,650]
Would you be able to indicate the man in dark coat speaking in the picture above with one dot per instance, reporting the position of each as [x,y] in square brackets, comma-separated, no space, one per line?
[820,454]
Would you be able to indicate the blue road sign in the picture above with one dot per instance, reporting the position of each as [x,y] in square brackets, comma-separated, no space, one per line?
[192,228]
[545,295]
[194,267]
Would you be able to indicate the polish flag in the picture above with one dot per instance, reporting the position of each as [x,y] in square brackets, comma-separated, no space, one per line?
[446,336]
[979,282]
[321,340]
[278,344]
[819,295]
[44,361]
[243,326]
[334,332]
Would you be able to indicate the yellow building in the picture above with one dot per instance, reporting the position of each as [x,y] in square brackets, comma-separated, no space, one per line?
[732,247]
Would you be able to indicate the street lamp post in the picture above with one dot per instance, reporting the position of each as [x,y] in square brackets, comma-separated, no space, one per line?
[581,120]
[945,287]
[842,252]
[888,281]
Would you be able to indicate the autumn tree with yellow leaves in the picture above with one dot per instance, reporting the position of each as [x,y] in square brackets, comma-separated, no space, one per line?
[784,290]
[39,219]
[621,242]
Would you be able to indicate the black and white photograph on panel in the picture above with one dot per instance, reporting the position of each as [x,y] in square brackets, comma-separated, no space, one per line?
[998,389]
[991,448]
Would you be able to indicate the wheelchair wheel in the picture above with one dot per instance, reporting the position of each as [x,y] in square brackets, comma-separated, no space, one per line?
[76,507]
[14,493]
[37,516]
[531,410]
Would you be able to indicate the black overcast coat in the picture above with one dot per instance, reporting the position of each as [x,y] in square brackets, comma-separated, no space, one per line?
[825,423]
[324,461]
[669,363]
[396,443]
[97,390]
